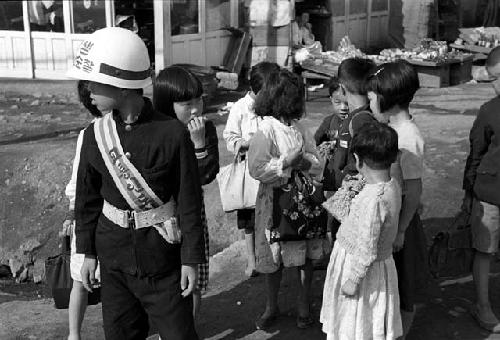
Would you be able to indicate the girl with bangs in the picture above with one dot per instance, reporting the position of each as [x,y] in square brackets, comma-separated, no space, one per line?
[178,93]
[281,147]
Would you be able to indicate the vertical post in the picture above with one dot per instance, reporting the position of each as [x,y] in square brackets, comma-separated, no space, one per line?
[202,29]
[29,45]
[347,13]
[368,22]
[110,12]
[235,10]
[163,38]
[68,30]
[289,58]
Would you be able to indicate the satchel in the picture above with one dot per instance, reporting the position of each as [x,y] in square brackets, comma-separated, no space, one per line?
[297,211]
[238,190]
[451,253]
[57,269]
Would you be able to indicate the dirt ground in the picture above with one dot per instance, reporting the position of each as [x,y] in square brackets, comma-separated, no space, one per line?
[36,151]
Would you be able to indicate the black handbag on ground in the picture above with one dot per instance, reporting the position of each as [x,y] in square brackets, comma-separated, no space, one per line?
[297,211]
[57,270]
[451,254]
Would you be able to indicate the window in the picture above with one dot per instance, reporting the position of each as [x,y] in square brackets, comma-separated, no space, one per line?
[379,5]
[184,17]
[338,8]
[11,16]
[357,7]
[218,14]
[88,16]
[46,15]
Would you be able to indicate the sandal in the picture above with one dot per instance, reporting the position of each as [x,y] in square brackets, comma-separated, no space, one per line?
[492,327]
[264,323]
[304,322]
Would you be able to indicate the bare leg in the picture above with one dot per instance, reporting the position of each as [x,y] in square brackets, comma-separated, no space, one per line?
[250,245]
[196,304]
[76,311]
[480,273]
[305,274]
[273,282]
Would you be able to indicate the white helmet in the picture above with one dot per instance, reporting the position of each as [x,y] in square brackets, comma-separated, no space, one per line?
[113,56]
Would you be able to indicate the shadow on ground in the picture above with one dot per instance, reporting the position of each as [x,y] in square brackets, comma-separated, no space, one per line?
[232,314]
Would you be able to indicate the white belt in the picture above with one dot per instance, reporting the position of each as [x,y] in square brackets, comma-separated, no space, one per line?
[141,219]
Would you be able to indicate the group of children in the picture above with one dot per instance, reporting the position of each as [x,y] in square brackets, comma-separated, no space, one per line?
[372,275]
[371,281]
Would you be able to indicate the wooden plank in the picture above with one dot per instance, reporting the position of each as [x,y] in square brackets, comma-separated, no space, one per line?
[327,70]
[236,52]
[472,48]
[270,36]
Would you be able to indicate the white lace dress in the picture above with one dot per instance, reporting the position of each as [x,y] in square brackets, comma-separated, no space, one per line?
[363,253]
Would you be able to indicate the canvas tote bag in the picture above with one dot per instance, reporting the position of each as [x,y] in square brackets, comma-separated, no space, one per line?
[238,190]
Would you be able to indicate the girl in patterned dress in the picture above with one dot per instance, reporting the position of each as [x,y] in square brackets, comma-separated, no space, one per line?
[178,93]
[360,296]
[281,145]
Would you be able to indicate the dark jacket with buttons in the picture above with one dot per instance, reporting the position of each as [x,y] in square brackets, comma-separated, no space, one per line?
[343,162]
[482,169]
[161,149]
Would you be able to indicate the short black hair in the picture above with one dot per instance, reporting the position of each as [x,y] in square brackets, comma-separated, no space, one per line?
[395,82]
[175,84]
[259,74]
[333,85]
[376,144]
[353,73]
[84,98]
[281,97]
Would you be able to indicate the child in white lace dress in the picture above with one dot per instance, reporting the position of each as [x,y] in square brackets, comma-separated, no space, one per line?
[360,297]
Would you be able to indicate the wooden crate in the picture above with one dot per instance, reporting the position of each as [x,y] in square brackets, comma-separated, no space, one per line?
[461,72]
[432,74]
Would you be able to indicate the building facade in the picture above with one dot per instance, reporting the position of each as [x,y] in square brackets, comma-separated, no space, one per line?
[38,39]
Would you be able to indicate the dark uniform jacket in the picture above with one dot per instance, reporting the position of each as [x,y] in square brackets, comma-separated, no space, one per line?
[161,149]
[343,162]
[328,129]
[482,169]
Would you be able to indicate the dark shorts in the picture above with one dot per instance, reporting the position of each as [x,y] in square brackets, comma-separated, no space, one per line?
[246,219]
[129,303]
[412,264]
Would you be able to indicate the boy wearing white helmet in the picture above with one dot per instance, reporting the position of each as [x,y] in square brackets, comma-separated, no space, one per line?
[138,191]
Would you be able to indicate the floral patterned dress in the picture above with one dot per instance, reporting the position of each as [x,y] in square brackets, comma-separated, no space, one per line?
[268,148]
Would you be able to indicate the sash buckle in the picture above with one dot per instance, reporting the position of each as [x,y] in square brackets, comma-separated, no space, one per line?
[130,218]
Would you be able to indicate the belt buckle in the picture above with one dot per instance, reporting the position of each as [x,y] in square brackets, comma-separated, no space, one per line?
[130,219]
